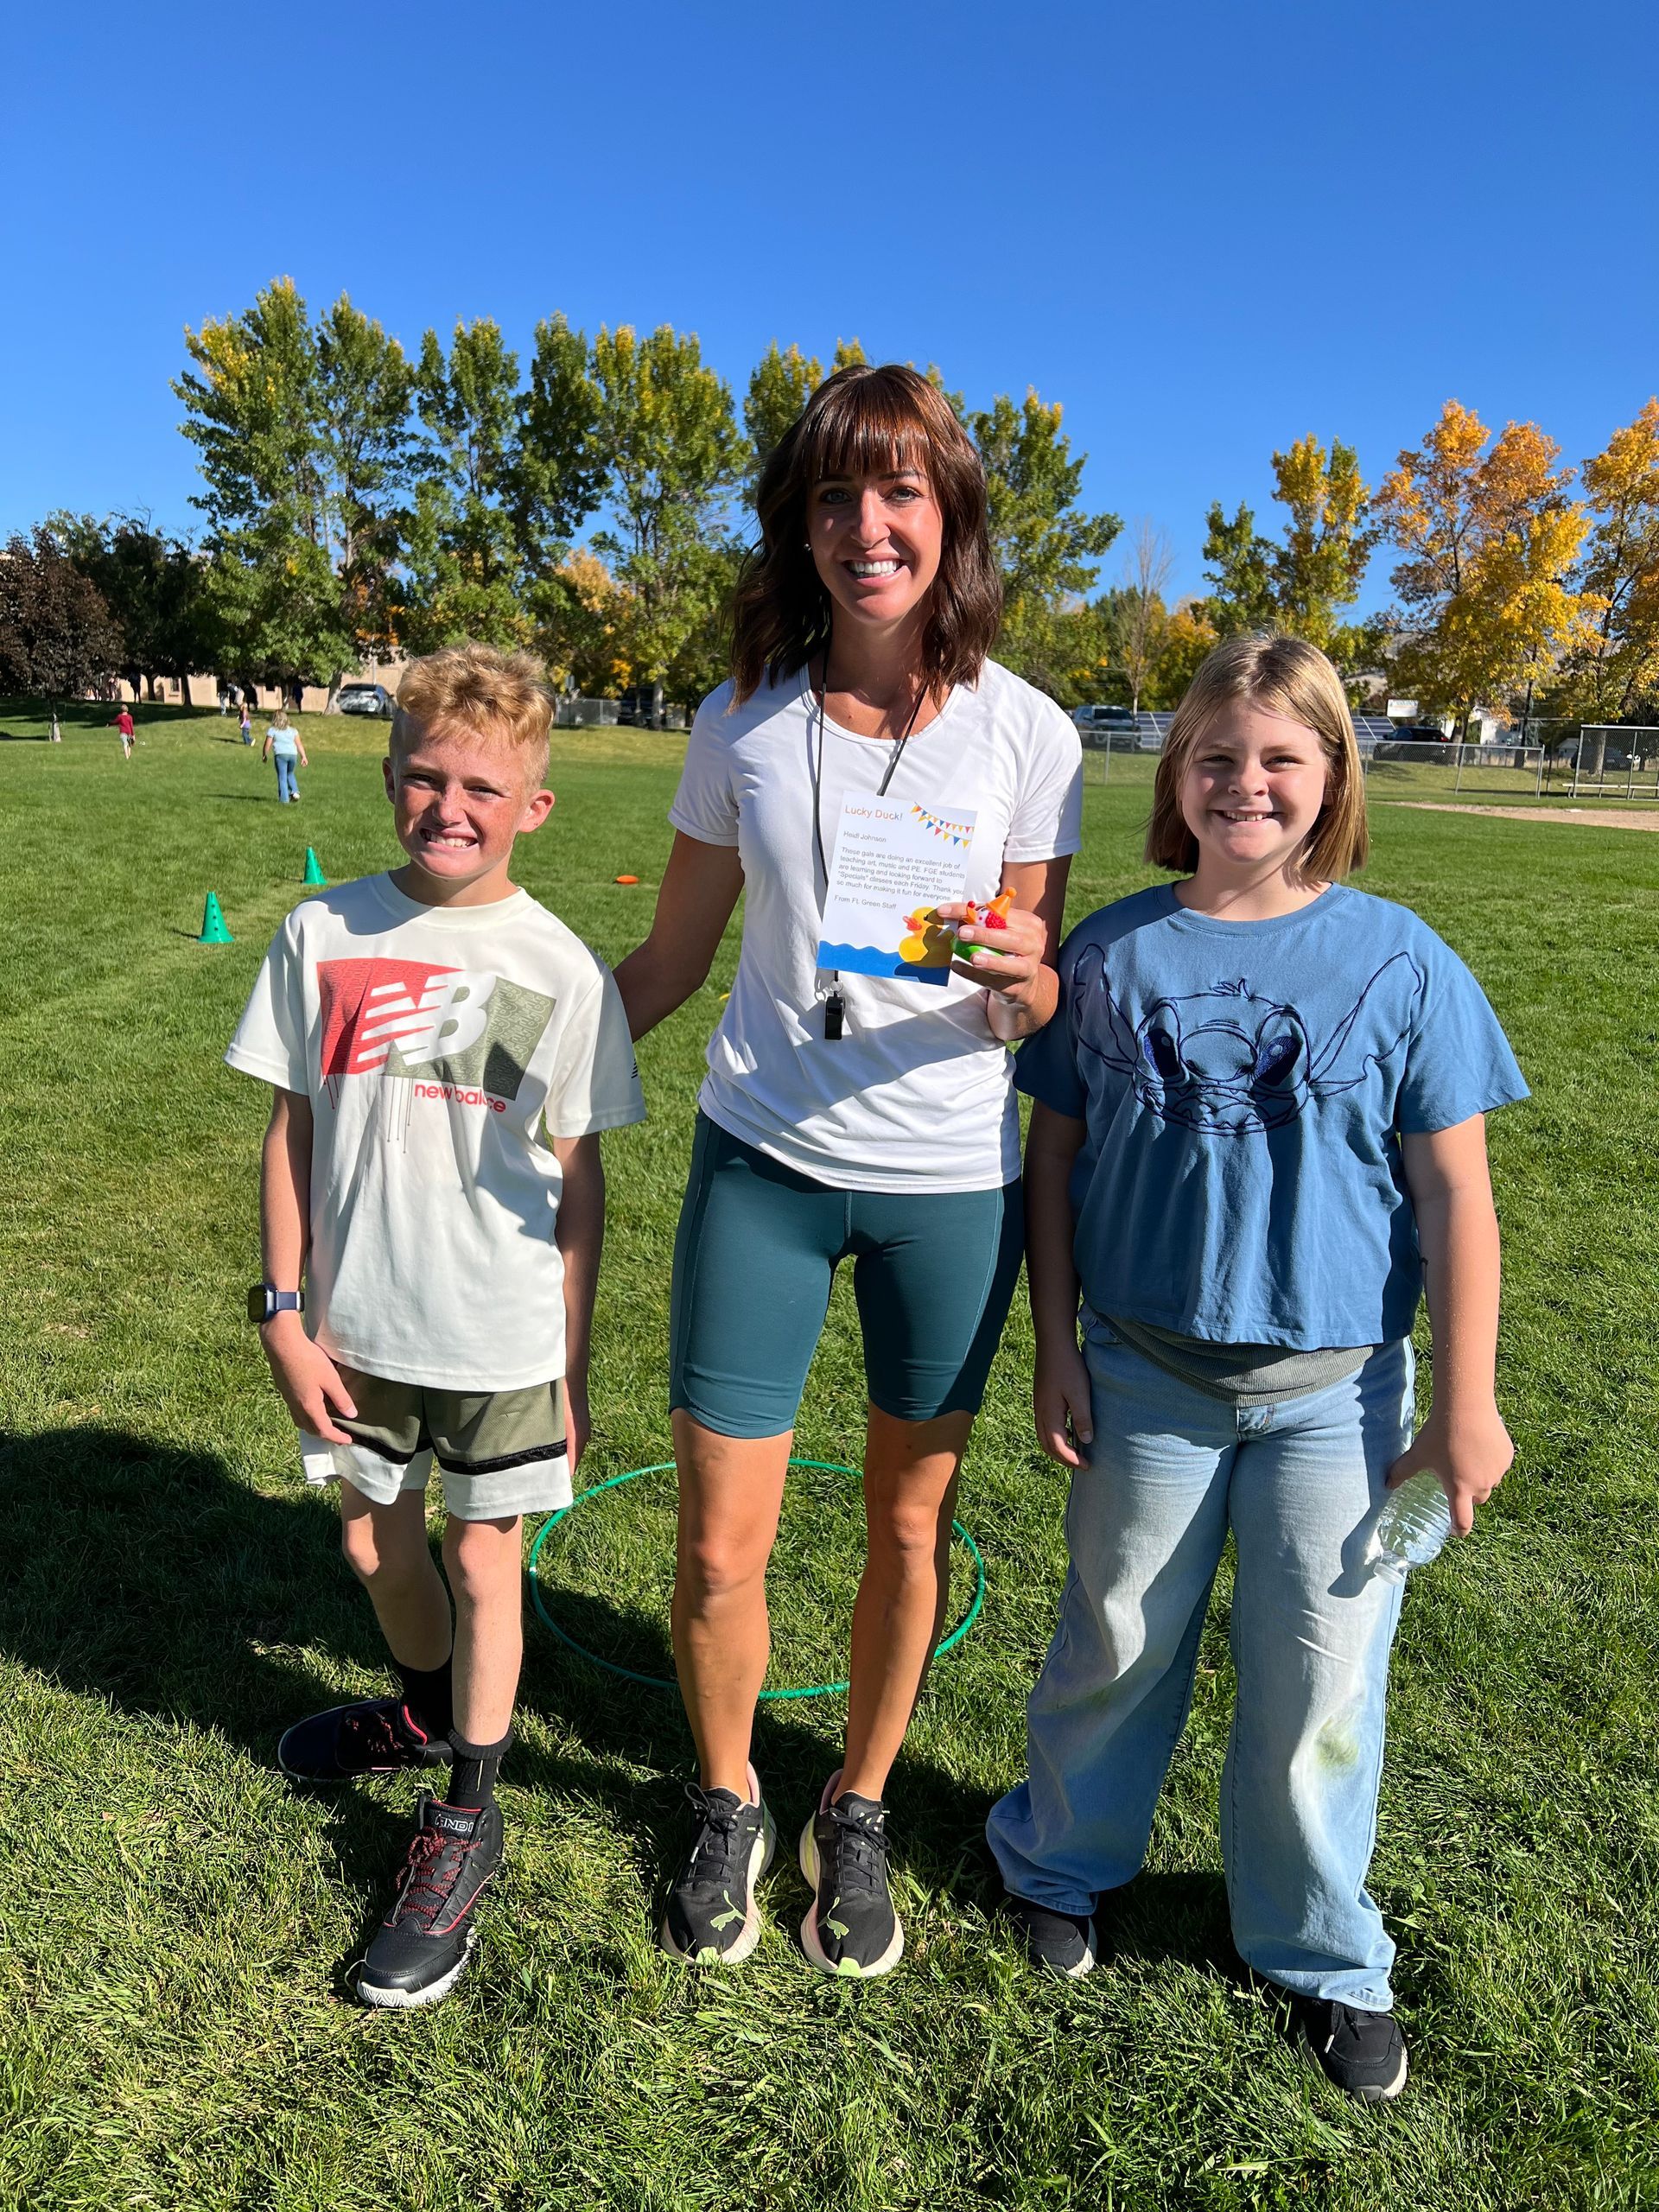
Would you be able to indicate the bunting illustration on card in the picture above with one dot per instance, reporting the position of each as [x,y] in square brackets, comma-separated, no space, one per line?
[953,832]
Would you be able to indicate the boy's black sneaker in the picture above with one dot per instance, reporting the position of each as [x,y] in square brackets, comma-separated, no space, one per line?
[712,1918]
[420,1948]
[1063,1941]
[377,1735]
[852,1927]
[1363,2053]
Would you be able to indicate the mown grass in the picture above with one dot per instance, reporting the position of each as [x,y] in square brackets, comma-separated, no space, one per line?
[175,1922]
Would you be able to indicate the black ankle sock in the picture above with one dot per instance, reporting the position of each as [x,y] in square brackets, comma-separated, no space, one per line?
[472,1780]
[428,1695]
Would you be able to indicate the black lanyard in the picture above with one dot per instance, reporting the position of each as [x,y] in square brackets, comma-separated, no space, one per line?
[835,1005]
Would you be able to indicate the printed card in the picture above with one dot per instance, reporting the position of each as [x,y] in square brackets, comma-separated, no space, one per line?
[894,863]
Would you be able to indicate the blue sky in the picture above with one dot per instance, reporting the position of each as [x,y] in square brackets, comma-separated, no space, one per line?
[1206,230]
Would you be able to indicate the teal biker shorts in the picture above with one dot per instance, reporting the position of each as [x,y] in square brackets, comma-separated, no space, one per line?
[758,1243]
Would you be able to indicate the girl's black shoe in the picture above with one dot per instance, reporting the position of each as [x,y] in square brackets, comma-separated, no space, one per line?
[1363,2053]
[852,1927]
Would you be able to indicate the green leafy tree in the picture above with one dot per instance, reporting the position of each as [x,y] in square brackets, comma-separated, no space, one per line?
[364,386]
[558,471]
[778,391]
[677,456]
[253,409]
[1046,547]
[57,637]
[463,550]
[847,352]
[1239,565]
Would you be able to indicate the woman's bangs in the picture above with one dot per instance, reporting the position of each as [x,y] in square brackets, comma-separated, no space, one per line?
[867,433]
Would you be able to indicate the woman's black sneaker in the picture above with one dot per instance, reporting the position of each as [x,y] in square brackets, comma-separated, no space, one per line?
[852,1927]
[420,1948]
[1062,1940]
[1363,2053]
[712,1917]
[377,1735]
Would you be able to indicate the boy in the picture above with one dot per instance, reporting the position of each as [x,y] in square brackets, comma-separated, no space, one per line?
[420,1029]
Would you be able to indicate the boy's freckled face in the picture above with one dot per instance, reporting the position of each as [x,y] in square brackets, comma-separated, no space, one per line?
[458,803]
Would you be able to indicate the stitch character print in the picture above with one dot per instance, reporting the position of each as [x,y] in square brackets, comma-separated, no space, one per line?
[1227,1062]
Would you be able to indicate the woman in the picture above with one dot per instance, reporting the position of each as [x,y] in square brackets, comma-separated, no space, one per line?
[282,740]
[844,1115]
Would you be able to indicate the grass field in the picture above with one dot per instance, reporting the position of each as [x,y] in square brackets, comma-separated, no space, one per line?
[175,1922]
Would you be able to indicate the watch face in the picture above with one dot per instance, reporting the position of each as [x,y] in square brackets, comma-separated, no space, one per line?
[257,1302]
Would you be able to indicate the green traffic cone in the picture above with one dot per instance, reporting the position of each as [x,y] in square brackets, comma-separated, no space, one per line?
[314,875]
[213,931]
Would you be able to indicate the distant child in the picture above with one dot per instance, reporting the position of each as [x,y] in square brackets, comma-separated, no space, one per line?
[1258,1131]
[444,1053]
[123,723]
[245,724]
[282,740]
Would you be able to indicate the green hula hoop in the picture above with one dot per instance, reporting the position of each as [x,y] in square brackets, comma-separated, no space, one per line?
[666,1682]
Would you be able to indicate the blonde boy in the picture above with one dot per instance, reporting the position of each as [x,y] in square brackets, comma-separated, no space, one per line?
[444,1054]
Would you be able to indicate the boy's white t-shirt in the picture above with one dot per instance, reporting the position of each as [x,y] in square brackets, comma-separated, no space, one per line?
[916,1095]
[437,1044]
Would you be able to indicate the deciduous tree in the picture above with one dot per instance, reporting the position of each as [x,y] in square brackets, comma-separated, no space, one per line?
[1618,665]
[465,575]
[1048,548]
[1489,536]
[677,456]
[1239,565]
[1319,567]
[57,637]
[778,390]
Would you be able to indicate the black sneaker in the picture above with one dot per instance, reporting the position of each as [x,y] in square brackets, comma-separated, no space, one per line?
[377,1735]
[1363,2053]
[1062,1940]
[421,1946]
[852,1927]
[712,1917]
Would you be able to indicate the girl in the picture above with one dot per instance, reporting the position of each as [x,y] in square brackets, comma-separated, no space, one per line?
[282,740]
[1258,1130]
[844,1117]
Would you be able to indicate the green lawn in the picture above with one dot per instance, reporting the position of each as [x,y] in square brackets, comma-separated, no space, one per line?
[175,1922]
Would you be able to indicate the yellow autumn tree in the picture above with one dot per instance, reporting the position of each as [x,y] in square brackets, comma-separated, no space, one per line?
[1618,665]
[1490,536]
[582,621]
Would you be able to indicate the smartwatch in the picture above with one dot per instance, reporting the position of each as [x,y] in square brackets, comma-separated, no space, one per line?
[266,1302]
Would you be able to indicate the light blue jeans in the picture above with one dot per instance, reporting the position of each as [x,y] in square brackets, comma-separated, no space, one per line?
[1299,1484]
[287,776]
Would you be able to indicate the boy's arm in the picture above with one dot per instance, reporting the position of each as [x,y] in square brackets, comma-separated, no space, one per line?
[1060,1390]
[308,1379]
[578,1231]
[1464,1440]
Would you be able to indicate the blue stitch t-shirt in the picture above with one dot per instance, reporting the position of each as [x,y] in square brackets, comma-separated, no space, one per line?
[1245,1086]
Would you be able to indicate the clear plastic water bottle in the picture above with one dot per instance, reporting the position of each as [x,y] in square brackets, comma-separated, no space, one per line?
[1412,1527]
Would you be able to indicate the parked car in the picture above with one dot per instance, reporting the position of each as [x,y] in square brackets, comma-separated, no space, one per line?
[1422,733]
[1102,727]
[364,699]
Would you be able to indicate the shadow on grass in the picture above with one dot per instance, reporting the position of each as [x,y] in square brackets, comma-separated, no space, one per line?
[149,1576]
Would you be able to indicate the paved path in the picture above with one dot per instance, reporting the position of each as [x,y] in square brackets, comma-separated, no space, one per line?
[1576,817]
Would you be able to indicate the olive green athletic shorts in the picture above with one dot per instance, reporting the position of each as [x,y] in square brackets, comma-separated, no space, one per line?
[499,1452]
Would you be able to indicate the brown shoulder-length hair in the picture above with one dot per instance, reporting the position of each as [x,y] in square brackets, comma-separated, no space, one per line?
[1282,676]
[858,423]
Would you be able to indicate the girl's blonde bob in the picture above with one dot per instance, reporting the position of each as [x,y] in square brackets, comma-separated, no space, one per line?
[1281,676]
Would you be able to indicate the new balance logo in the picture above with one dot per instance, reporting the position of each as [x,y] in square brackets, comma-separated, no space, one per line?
[465,1031]
[449,1014]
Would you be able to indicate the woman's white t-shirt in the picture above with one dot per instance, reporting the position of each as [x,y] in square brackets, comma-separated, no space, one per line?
[917,1093]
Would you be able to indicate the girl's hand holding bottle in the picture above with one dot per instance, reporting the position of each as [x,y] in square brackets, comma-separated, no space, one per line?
[1468,1448]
